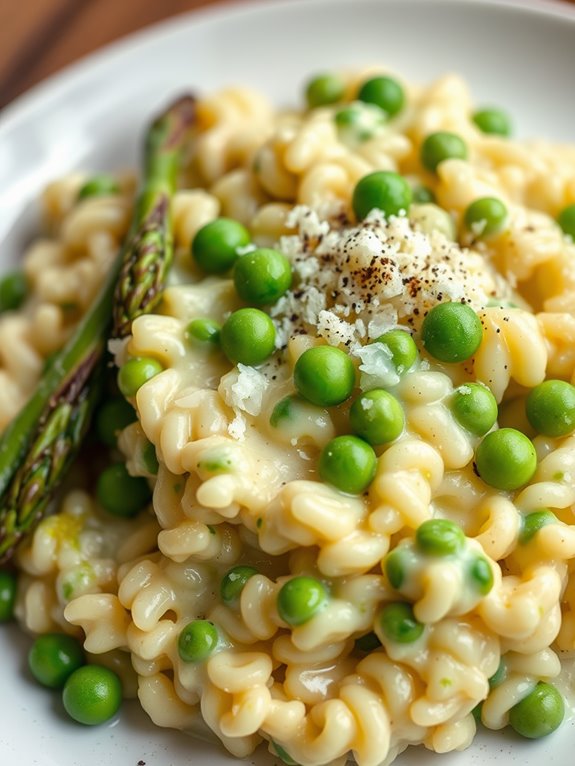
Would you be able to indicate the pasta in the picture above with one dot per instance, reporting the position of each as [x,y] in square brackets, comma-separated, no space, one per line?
[444,588]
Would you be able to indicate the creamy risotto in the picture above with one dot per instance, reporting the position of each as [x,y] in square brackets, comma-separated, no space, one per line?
[355,411]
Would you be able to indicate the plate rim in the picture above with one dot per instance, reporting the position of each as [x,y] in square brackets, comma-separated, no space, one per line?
[53,86]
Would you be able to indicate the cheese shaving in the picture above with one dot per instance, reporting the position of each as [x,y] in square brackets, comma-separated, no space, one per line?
[354,282]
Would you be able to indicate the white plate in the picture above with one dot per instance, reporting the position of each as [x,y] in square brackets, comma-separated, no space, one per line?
[518,55]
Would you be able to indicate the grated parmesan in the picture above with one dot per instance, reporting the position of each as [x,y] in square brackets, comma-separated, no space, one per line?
[377,368]
[237,428]
[353,282]
[243,389]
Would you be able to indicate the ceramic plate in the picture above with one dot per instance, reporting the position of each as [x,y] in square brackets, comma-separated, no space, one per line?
[518,55]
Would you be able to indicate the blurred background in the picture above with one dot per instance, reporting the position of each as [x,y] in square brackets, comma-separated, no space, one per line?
[39,37]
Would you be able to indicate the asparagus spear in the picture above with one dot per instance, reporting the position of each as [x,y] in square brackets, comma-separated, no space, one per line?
[41,442]
[149,257]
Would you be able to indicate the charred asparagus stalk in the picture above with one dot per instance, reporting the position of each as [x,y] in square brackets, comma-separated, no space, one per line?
[41,442]
[148,257]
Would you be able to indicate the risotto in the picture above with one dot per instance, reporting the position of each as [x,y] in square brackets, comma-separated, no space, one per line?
[346,524]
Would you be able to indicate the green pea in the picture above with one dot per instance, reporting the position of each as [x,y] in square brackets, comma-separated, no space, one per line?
[204,331]
[533,522]
[348,463]
[215,246]
[477,711]
[359,122]
[385,92]
[283,410]
[493,121]
[566,221]
[440,537]
[423,195]
[402,348]
[233,582]
[481,575]
[13,291]
[441,146]
[121,494]
[485,216]
[8,590]
[92,695]
[300,599]
[506,459]
[383,190]
[499,676]
[283,754]
[398,623]
[248,336]
[539,713]
[113,416]
[262,276]
[217,461]
[324,375]
[451,332]
[99,186]
[395,568]
[135,372]
[197,641]
[53,657]
[377,416]
[324,89]
[550,408]
[474,407]
[150,458]
[367,643]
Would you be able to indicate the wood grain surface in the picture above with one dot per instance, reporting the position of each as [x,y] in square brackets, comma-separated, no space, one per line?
[39,37]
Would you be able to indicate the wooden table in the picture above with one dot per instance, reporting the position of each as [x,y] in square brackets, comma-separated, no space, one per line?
[38,37]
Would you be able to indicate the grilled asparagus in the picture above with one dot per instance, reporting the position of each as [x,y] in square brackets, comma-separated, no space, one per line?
[40,444]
